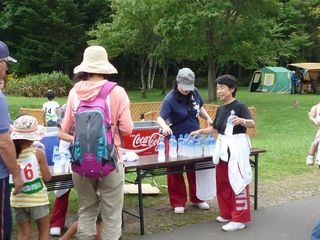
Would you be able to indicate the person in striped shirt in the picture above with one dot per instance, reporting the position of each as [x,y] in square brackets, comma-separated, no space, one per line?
[32,203]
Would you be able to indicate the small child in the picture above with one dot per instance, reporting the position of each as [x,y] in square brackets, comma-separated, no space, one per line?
[72,230]
[314,116]
[50,109]
[32,203]
[60,206]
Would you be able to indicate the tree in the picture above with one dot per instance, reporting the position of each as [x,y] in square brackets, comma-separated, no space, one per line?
[132,31]
[298,23]
[219,31]
[49,35]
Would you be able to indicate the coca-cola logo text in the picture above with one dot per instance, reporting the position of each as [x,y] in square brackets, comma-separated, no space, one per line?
[146,141]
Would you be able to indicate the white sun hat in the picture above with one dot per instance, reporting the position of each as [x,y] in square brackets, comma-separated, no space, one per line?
[95,60]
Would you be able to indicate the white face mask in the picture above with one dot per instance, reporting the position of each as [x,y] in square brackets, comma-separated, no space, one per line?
[182,91]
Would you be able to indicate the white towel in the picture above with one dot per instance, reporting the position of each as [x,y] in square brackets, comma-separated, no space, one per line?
[206,184]
[130,156]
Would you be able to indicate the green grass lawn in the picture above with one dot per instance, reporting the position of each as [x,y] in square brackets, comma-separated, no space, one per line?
[282,129]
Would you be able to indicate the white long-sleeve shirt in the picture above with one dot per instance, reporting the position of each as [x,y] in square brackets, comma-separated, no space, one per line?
[239,169]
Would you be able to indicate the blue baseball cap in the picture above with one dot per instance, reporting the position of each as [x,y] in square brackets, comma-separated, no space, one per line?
[4,53]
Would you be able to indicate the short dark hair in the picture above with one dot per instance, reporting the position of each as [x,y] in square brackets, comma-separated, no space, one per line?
[50,94]
[230,81]
[84,76]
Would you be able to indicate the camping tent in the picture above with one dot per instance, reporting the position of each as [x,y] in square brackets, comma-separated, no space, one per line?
[309,73]
[271,79]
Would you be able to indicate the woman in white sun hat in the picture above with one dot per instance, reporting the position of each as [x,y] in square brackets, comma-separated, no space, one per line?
[95,68]
[32,203]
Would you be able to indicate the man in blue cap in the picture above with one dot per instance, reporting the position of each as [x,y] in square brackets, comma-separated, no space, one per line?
[8,160]
[4,53]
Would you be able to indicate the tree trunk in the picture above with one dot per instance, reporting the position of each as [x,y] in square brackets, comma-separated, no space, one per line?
[153,74]
[239,73]
[143,84]
[212,69]
[165,69]
[150,60]
[212,75]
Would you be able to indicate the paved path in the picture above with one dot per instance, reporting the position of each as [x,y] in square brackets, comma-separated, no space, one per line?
[289,221]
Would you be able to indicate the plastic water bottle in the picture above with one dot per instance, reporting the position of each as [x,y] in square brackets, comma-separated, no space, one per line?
[161,154]
[173,147]
[190,150]
[67,162]
[229,126]
[56,158]
[206,148]
[197,148]
[63,162]
[211,143]
[200,139]
[185,145]
[180,145]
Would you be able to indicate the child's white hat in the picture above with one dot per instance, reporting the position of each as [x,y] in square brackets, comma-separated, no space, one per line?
[27,128]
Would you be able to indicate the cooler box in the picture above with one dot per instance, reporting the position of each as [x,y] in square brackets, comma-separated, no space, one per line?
[144,138]
[50,140]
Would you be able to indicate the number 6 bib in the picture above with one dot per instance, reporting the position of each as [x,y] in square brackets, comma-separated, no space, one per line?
[29,170]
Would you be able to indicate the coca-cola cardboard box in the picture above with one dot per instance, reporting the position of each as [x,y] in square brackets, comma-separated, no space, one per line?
[144,138]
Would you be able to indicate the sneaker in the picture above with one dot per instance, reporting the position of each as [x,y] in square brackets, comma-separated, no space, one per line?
[233,226]
[55,231]
[179,210]
[222,220]
[309,160]
[202,205]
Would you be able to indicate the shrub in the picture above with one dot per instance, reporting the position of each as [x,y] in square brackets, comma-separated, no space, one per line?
[37,85]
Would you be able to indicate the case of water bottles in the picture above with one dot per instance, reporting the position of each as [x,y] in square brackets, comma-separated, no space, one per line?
[61,161]
[188,147]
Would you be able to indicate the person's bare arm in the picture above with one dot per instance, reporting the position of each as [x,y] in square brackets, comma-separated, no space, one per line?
[205,116]
[166,130]
[65,136]
[312,116]
[8,155]
[42,160]
[248,123]
[208,130]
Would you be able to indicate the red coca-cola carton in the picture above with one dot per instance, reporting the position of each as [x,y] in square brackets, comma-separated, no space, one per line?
[144,138]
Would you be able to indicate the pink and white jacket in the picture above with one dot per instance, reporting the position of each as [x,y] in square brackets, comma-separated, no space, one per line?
[119,108]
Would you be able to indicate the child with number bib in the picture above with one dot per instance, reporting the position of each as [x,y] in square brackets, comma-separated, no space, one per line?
[32,202]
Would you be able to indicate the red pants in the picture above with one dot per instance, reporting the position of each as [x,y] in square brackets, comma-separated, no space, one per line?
[233,207]
[177,188]
[59,212]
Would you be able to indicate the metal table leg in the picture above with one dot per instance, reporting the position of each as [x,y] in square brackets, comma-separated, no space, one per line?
[140,202]
[256,181]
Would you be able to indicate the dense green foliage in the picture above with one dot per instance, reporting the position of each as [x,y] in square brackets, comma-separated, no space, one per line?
[37,85]
[49,35]
[152,39]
